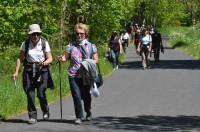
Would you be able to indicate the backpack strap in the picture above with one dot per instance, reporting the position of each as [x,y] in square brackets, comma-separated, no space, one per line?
[43,46]
[84,52]
[26,51]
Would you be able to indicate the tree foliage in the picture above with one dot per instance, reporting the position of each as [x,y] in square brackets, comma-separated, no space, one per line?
[163,12]
[58,17]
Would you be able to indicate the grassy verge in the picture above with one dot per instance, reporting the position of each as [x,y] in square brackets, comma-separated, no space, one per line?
[185,39]
[13,100]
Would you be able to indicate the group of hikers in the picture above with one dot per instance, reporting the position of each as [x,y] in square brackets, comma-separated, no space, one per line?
[147,41]
[35,55]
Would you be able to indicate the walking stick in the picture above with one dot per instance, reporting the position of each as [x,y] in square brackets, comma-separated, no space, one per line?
[14,83]
[60,89]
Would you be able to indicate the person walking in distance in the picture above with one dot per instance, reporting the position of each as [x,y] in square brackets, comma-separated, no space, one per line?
[137,39]
[125,40]
[115,48]
[157,45]
[74,53]
[145,46]
[36,56]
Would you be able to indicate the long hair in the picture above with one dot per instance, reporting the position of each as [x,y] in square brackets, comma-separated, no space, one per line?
[113,35]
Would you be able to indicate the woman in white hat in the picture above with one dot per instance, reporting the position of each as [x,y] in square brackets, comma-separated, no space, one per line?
[35,54]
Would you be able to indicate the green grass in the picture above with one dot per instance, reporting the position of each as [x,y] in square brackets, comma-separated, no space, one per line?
[186,39]
[13,99]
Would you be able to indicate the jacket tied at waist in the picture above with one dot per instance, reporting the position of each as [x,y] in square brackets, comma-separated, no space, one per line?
[35,66]
[35,72]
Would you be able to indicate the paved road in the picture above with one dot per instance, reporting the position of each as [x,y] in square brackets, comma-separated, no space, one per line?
[164,98]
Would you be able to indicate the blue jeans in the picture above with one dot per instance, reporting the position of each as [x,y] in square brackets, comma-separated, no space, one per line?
[79,93]
[115,58]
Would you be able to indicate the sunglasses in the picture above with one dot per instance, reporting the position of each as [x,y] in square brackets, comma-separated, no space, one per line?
[80,33]
[36,34]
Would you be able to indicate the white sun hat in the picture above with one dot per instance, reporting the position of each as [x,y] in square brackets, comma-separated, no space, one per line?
[34,28]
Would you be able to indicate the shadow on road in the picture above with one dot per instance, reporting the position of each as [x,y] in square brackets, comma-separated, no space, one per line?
[14,121]
[149,123]
[39,120]
[164,64]
[168,48]
[60,121]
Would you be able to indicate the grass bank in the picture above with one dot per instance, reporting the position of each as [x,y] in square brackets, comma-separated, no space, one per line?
[185,39]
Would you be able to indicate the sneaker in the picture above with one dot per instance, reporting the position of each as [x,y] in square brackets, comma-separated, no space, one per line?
[46,116]
[78,121]
[144,65]
[145,68]
[32,121]
[88,117]
[117,67]
[148,67]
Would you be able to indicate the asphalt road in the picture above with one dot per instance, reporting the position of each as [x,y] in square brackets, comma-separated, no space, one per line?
[165,98]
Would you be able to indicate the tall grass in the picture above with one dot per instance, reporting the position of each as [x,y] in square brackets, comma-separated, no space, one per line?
[13,100]
[10,97]
[186,39]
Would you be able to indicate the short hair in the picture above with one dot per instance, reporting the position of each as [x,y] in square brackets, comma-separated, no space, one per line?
[83,27]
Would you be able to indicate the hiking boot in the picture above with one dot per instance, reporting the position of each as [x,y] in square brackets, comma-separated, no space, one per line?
[32,121]
[46,116]
[89,116]
[78,121]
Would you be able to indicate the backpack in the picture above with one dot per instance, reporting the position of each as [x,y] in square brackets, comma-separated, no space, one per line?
[27,48]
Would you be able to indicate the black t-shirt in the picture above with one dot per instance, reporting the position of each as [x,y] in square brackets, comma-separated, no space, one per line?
[156,40]
[114,44]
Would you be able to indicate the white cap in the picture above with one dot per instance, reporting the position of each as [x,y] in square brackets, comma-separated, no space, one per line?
[34,28]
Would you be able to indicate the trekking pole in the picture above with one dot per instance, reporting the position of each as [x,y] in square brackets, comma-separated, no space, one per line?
[15,83]
[60,89]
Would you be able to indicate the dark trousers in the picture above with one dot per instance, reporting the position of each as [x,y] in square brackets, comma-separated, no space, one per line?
[145,53]
[156,51]
[79,93]
[30,86]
